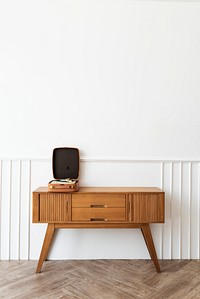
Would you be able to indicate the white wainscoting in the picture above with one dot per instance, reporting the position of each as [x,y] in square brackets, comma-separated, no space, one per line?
[178,238]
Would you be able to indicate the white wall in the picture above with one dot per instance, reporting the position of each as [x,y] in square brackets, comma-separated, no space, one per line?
[117,78]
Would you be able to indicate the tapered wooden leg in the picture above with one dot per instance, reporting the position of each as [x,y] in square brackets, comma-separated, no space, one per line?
[150,245]
[46,246]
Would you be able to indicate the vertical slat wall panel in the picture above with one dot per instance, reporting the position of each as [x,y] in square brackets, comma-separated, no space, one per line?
[5,210]
[194,218]
[14,211]
[167,173]
[185,213]
[175,211]
[25,211]
[178,238]
[0,204]
[19,209]
[198,198]
[29,209]
[161,226]
[180,201]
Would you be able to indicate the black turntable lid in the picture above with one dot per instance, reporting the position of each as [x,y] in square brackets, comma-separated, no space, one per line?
[65,163]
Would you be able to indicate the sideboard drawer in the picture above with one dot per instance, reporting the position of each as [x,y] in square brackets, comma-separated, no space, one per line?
[98,214]
[92,200]
[98,207]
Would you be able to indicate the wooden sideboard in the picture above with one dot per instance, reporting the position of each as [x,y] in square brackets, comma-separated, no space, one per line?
[99,207]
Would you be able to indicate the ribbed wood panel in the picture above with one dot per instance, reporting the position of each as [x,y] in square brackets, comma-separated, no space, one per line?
[147,209]
[54,207]
[177,238]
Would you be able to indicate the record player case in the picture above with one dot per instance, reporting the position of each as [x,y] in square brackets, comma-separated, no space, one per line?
[65,166]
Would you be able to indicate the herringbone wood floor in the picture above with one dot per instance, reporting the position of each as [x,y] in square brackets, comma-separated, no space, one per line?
[100,279]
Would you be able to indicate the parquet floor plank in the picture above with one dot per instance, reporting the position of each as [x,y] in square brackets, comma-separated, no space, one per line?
[100,279]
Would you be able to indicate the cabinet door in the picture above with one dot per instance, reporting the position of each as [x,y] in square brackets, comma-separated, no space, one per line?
[146,208]
[52,208]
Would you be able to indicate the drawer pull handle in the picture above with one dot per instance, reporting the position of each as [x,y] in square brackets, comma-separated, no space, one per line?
[98,206]
[98,219]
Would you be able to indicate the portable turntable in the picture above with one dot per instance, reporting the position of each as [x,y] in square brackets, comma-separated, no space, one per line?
[65,165]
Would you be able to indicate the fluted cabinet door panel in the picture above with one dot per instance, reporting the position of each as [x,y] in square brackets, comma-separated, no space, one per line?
[54,208]
[147,208]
